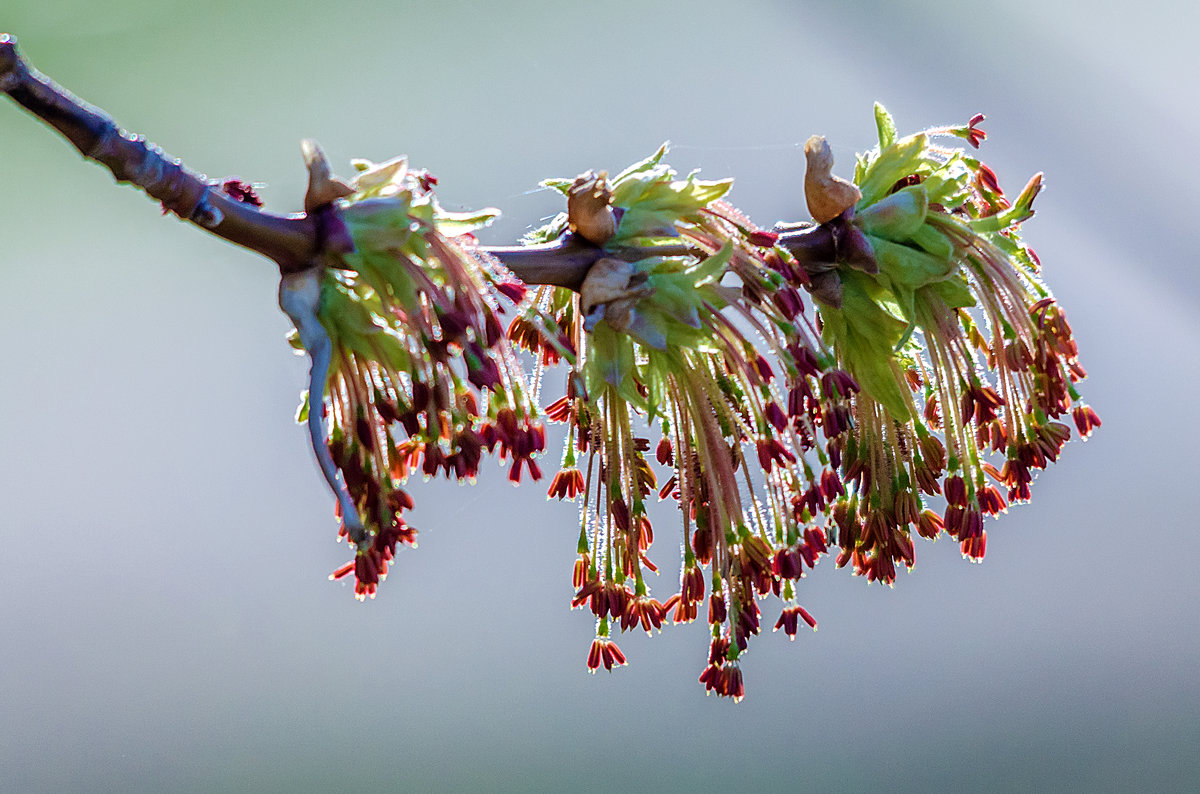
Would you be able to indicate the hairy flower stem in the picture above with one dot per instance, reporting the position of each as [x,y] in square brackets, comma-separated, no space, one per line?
[294,242]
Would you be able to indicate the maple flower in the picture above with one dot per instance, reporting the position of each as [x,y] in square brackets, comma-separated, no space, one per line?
[789,620]
[661,337]
[604,652]
[960,351]
[419,372]
[916,391]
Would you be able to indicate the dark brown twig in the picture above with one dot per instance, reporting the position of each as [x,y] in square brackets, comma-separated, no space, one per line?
[294,242]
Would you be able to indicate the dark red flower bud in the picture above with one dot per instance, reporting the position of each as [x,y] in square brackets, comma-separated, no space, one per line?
[956,491]
[763,368]
[1086,420]
[975,547]
[513,290]
[620,514]
[426,180]
[788,301]
[664,453]
[975,135]
[787,564]
[716,608]
[762,238]
[364,432]
[774,414]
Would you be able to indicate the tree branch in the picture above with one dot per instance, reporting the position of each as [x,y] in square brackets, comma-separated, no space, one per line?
[296,242]
[288,241]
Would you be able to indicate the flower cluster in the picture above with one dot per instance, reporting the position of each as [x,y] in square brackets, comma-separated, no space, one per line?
[960,350]
[749,408]
[422,376]
[896,366]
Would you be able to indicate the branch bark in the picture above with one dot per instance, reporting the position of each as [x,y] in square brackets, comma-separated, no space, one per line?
[297,242]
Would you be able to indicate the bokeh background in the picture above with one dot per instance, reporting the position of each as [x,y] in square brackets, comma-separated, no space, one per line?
[165,618]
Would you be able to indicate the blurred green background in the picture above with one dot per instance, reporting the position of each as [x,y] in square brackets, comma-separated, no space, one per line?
[165,617]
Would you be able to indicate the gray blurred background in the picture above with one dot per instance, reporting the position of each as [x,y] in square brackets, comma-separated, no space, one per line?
[165,618]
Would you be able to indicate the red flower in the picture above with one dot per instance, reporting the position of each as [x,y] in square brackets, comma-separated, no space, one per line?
[725,679]
[513,290]
[929,525]
[425,179]
[956,491]
[665,454]
[787,564]
[991,502]
[762,238]
[644,610]
[567,484]
[591,591]
[1086,420]
[604,652]
[839,383]
[975,136]
[771,452]
[975,547]
[763,368]
[775,415]
[560,410]
[789,302]
[369,567]
[716,609]
[789,620]
[685,611]
[582,571]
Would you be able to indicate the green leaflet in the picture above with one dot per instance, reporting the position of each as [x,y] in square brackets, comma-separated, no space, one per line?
[933,242]
[661,201]
[453,224]
[906,156]
[379,223]
[904,271]
[376,180]
[611,364]
[954,291]
[654,200]
[884,126]
[562,185]
[910,267]
[643,165]
[864,337]
[897,217]
[949,184]
[349,323]
[711,268]
[675,296]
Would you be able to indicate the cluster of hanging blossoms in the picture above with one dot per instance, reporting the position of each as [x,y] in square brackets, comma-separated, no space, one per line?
[923,389]
[418,373]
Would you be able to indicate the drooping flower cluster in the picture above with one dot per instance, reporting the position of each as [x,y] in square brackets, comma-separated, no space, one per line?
[735,379]
[422,377]
[958,346]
